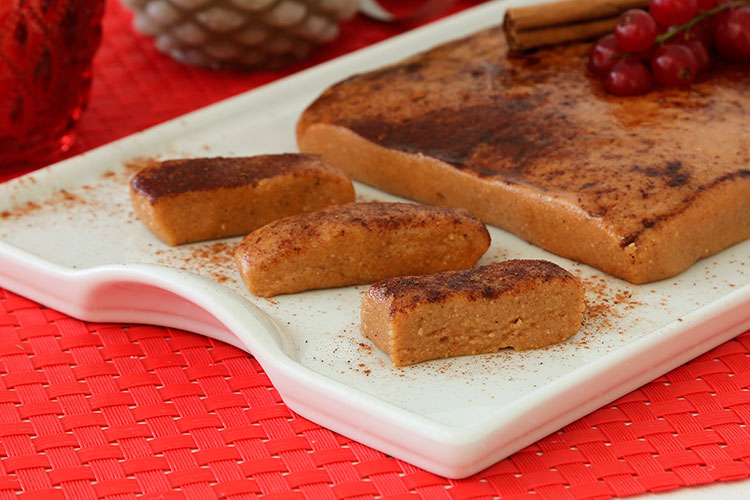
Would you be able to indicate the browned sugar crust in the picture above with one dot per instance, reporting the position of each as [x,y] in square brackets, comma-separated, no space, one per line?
[188,200]
[358,243]
[639,187]
[518,303]
[172,177]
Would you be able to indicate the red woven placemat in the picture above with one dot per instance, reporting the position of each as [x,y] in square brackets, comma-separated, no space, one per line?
[113,411]
[94,411]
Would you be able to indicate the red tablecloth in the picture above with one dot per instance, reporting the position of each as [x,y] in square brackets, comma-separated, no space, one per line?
[90,411]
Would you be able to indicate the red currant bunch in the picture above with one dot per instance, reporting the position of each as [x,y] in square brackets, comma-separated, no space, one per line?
[670,44]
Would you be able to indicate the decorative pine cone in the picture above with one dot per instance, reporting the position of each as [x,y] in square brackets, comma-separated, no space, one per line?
[240,33]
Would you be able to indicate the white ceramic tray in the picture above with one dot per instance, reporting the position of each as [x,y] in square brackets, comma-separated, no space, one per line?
[69,239]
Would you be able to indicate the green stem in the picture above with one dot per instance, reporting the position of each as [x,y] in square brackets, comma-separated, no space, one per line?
[700,17]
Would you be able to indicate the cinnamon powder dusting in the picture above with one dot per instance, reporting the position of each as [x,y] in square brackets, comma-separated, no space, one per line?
[79,197]
[605,304]
[61,199]
[212,260]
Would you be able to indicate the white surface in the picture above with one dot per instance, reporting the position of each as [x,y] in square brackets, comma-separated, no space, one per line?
[70,240]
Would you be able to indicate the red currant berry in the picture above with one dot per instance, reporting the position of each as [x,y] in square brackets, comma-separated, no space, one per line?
[635,30]
[701,53]
[628,77]
[674,65]
[716,22]
[732,36]
[604,54]
[669,12]
[706,4]
[701,30]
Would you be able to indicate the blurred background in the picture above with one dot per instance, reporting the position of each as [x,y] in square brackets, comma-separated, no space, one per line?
[137,83]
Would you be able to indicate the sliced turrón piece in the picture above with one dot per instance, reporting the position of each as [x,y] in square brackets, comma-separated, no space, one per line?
[522,304]
[195,199]
[358,243]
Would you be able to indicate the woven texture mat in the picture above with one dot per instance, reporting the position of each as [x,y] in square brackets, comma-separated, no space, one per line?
[94,411]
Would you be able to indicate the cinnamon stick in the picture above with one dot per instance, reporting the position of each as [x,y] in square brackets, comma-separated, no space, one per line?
[563,21]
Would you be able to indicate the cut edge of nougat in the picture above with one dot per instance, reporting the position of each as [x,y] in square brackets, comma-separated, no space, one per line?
[536,304]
